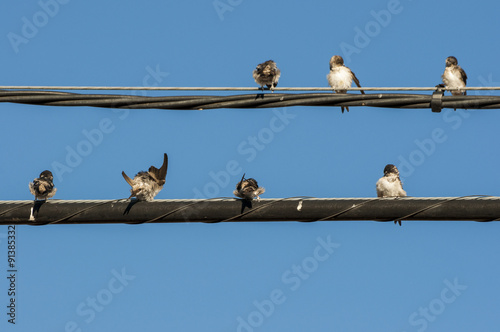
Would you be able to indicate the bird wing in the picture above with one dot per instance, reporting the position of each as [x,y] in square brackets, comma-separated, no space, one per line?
[277,75]
[129,180]
[259,191]
[238,186]
[462,74]
[379,187]
[400,182]
[355,79]
[52,193]
[255,74]
[32,189]
[160,174]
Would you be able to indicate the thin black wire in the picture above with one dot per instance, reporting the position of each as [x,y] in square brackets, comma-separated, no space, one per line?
[260,100]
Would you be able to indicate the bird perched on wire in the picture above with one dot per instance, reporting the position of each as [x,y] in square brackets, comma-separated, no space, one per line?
[43,186]
[268,74]
[454,77]
[248,189]
[390,184]
[146,185]
[340,77]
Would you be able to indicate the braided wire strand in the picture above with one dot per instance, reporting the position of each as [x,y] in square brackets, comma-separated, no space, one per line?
[260,100]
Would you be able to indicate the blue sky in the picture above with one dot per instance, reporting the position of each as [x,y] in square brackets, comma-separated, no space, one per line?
[287,276]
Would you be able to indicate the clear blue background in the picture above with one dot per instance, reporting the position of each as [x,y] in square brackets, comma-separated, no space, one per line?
[199,277]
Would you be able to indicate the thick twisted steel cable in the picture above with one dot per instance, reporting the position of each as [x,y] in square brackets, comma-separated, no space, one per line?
[73,214]
[176,88]
[260,100]
[477,208]
[182,208]
[339,213]
[16,207]
[266,205]
[438,204]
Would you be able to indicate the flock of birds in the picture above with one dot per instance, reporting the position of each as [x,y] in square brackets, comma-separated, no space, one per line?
[340,77]
[146,185]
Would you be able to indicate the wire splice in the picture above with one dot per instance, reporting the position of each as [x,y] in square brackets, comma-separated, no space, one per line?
[437,100]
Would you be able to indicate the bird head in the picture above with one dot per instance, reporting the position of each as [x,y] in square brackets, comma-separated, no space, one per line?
[391,169]
[136,190]
[451,61]
[47,175]
[336,61]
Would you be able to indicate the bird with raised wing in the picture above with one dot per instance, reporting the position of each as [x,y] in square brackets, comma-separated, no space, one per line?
[248,189]
[146,185]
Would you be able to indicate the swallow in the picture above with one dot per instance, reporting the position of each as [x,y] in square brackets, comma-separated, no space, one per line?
[248,189]
[454,77]
[390,184]
[43,186]
[268,74]
[340,77]
[146,185]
